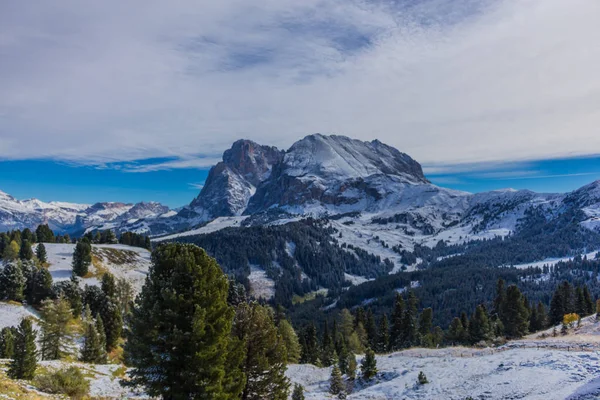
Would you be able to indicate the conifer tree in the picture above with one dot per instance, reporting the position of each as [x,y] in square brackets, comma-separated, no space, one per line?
[327,348]
[290,338]
[580,307]
[24,363]
[40,253]
[39,286]
[456,332]
[383,341]
[55,329]
[368,366]
[12,282]
[11,252]
[113,324]
[336,382]
[371,329]
[101,335]
[396,329]
[179,333]
[44,234]
[352,365]
[426,327]
[93,351]
[409,322]
[298,393]
[479,326]
[516,315]
[310,351]
[7,342]
[542,316]
[25,252]
[82,258]
[265,360]
[587,300]
[108,285]
[343,354]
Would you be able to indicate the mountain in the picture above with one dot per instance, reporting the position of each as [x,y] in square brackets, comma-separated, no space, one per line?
[73,218]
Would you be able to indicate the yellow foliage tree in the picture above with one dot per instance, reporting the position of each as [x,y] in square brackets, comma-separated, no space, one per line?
[570,319]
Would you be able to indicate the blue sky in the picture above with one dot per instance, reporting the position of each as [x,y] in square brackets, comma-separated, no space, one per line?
[128,91]
[49,180]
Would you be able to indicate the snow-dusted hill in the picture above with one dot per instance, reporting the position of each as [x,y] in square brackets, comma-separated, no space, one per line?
[131,263]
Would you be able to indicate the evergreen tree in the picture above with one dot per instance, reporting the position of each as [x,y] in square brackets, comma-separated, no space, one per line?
[7,342]
[298,393]
[383,341]
[101,335]
[179,332]
[516,315]
[368,366]
[542,317]
[465,323]
[55,329]
[113,324]
[40,253]
[371,329]
[265,361]
[426,327]
[336,382]
[396,329]
[12,282]
[25,252]
[409,322]
[11,251]
[580,306]
[500,300]
[44,234]
[328,349]
[39,286]
[479,326]
[310,350]
[292,344]
[456,332]
[24,363]
[587,301]
[82,258]
[352,365]
[93,350]
[108,285]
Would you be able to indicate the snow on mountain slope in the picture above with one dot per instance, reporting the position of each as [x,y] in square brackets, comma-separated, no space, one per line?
[131,263]
[70,217]
[11,314]
[461,373]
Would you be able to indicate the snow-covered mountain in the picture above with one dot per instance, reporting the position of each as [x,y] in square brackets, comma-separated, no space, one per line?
[71,217]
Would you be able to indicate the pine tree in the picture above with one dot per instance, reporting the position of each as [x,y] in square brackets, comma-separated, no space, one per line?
[93,351]
[456,332]
[517,317]
[465,323]
[101,335]
[25,252]
[426,327]
[580,306]
[396,329]
[327,348]
[409,322]
[500,300]
[336,382]
[12,282]
[310,351]
[587,300]
[40,253]
[7,342]
[298,393]
[542,316]
[44,234]
[55,329]
[24,363]
[292,344]
[371,329]
[422,379]
[479,326]
[39,286]
[82,258]
[179,334]
[108,285]
[265,361]
[383,341]
[368,366]
[11,252]
[113,324]
[352,365]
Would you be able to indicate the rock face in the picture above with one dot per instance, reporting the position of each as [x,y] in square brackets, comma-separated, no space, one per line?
[232,182]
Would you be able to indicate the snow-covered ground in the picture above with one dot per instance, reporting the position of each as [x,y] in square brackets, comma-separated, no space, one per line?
[553,261]
[261,285]
[213,226]
[131,263]
[461,373]
[11,314]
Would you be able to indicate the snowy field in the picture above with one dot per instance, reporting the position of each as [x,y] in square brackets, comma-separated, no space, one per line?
[213,226]
[11,314]
[122,261]
[512,374]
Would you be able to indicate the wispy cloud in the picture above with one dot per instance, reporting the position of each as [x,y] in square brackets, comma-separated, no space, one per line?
[198,186]
[448,82]
[199,163]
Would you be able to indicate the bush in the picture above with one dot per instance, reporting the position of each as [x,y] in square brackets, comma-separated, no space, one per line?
[422,378]
[69,381]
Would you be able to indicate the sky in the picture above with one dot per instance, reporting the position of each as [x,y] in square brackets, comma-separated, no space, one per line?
[129,101]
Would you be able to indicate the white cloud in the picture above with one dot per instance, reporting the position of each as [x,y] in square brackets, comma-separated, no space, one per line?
[121,81]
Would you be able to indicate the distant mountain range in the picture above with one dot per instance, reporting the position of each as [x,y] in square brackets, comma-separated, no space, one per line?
[366,189]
